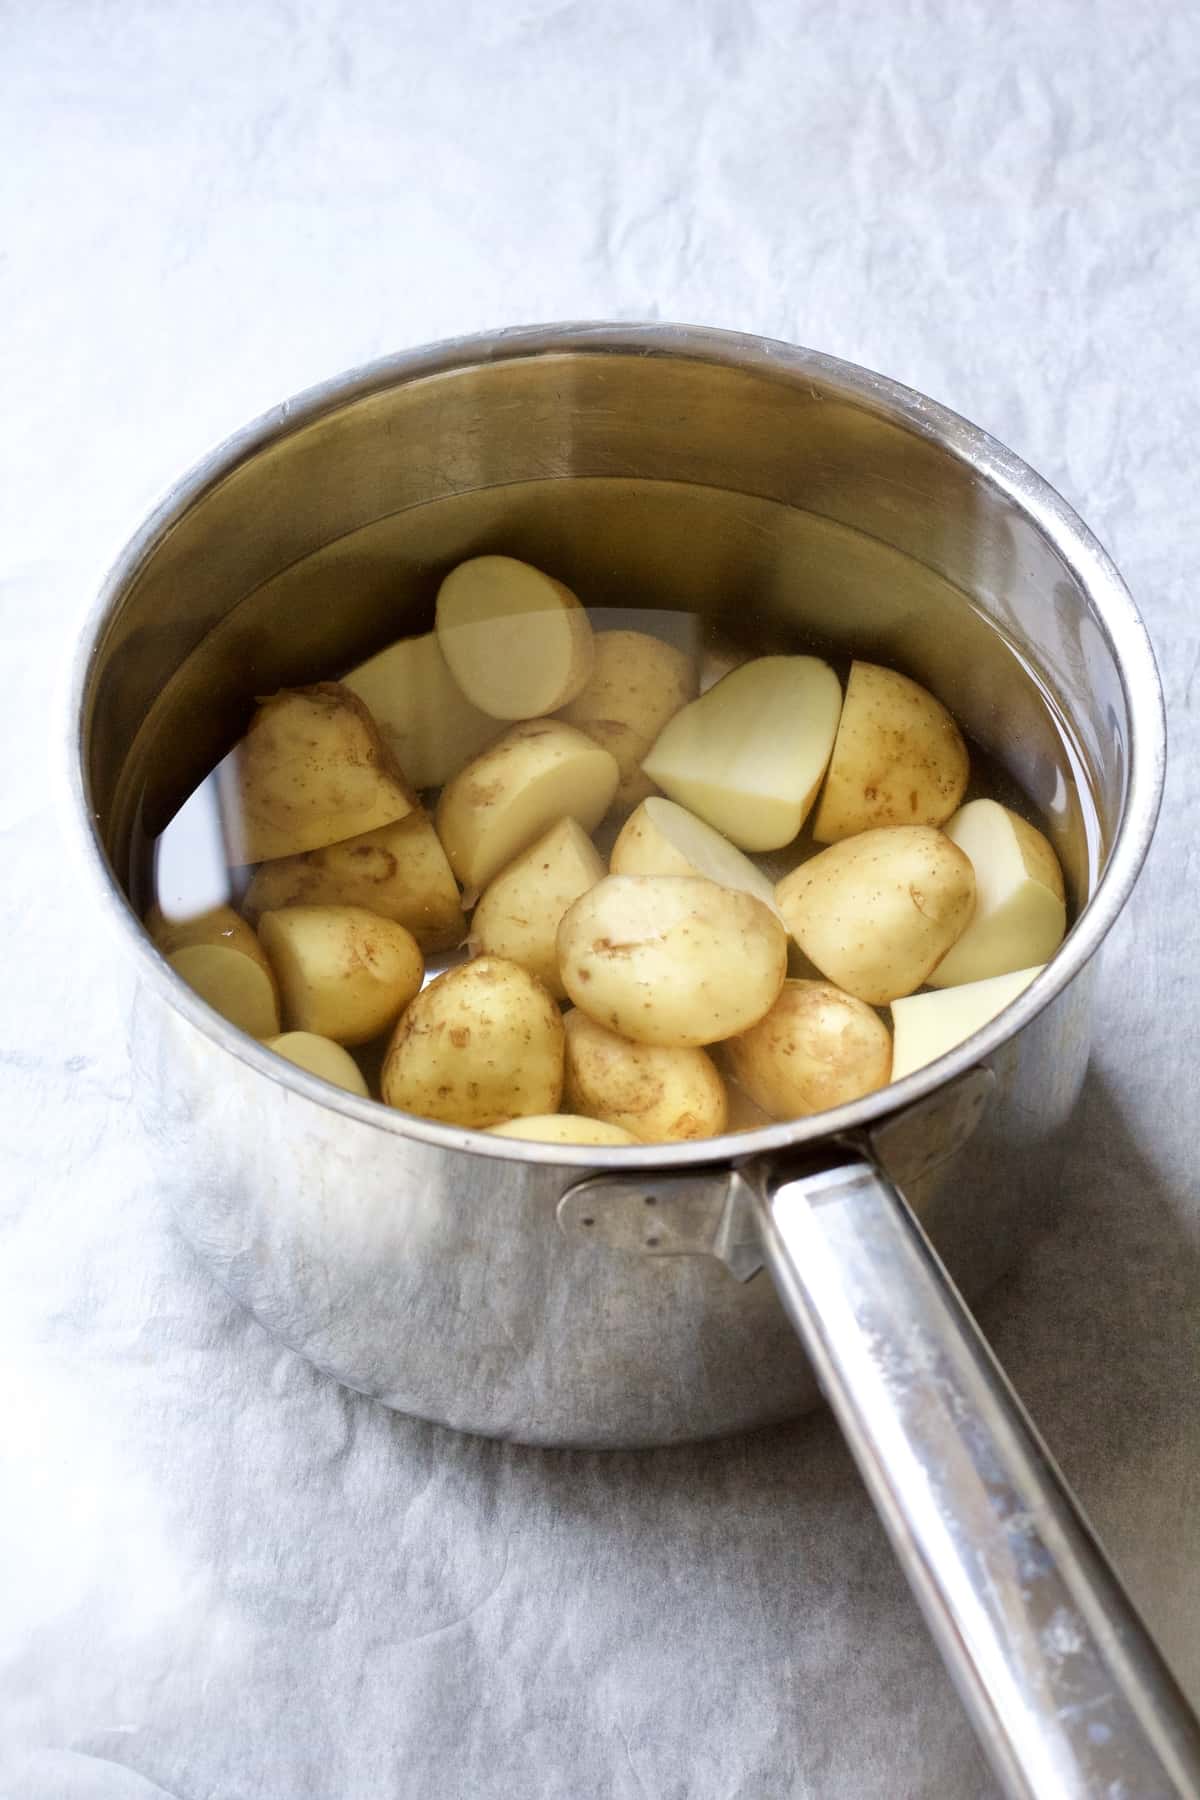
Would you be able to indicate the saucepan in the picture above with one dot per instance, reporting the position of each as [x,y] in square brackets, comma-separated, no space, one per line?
[601,1297]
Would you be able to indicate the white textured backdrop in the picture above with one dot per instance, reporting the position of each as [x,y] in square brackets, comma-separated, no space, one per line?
[221,1578]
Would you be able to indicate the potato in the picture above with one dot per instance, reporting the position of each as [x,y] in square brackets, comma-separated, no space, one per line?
[564,1128]
[539,772]
[480,1045]
[926,1026]
[344,972]
[816,1048]
[1020,903]
[660,1096]
[517,642]
[423,716]
[745,1114]
[320,1056]
[312,769]
[637,683]
[899,758]
[671,959]
[748,756]
[219,925]
[661,838]
[399,872]
[239,987]
[877,913]
[519,914]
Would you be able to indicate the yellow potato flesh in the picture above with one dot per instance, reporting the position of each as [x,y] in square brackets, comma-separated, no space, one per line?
[1020,913]
[747,757]
[637,684]
[926,1026]
[539,772]
[519,913]
[899,758]
[877,913]
[219,925]
[816,1048]
[564,1128]
[399,872]
[311,769]
[240,988]
[320,1056]
[423,716]
[517,642]
[663,838]
[660,1096]
[344,973]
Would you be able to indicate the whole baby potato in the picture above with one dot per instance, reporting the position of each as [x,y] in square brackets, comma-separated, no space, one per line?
[816,1048]
[344,973]
[661,1096]
[876,913]
[480,1045]
[671,959]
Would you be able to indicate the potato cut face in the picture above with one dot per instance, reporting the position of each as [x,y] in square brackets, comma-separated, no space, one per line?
[899,758]
[519,912]
[320,1056]
[663,838]
[219,925]
[747,757]
[926,1026]
[424,718]
[240,988]
[517,642]
[564,1128]
[1020,915]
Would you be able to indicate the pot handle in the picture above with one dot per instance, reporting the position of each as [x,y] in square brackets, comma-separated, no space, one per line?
[1067,1692]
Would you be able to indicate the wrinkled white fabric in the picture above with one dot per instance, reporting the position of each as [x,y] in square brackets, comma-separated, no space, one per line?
[220,1575]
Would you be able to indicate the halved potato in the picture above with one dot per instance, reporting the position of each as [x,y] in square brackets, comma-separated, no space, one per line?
[671,959]
[517,642]
[564,1128]
[661,838]
[747,757]
[816,1048]
[519,913]
[540,771]
[659,1095]
[423,716]
[311,769]
[219,925]
[320,1056]
[344,972]
[1020,903]
[480,1045]
[877,913]
[399,872]
[240,988]
[899,758]
[637,683]
[926,1026]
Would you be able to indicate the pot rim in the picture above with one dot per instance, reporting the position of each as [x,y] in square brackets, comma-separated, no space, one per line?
[1074,543]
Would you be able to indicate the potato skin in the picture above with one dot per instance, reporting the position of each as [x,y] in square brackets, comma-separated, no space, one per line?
[877,912]
[671,959]
[637,683]
[482,1044]
[816,1048]
[519,913]
[343,972]
[898,758]
[660,1096]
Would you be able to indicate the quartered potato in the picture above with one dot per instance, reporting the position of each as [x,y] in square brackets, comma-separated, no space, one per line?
[899,758]
[399,872]
[671,959]
[344,973]
[659,1095]
[311,769]
[481,1045]
[423,716]
[241,988]
[519,912]
[637,683]
[517,642]
[816,1048]
[926,1026]
[1020,903]
[320,1056]
[747,757]
[539,771]
[877,913]
[661,838]
[564,1128]
[219,925]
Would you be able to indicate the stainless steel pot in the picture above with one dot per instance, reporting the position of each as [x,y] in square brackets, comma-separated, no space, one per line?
[563,1296]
